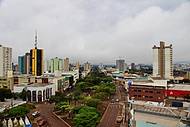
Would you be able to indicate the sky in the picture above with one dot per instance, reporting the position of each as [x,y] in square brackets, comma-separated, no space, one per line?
[98,31]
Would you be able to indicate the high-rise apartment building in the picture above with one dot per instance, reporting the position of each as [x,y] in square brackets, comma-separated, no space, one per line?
[120,65]
[5,60]
[21,63]
[56,64]
[163,61]
[66,64]
[87,66]
[36,60]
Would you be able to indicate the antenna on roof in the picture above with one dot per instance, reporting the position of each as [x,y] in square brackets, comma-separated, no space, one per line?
[36,39]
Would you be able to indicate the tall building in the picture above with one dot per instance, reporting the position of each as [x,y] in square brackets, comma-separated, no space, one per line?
[36,60]
[120,65]
[5,61]
[56,64]
[27,63]
[66,64]
[163,61]
[21,63]
[24,64]
[87,66]
[78,65]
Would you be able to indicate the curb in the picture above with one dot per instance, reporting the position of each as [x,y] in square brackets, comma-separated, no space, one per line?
[61,119]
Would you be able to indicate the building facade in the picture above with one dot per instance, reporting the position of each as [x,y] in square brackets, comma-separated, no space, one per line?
[21,63]
[66,64]
[147,93]
[120,65]
[36,61]
[5,60]
[163,61]
[56,64]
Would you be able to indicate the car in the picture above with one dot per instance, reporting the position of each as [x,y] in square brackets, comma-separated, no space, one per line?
[119,119]
[36,114]
[112,100]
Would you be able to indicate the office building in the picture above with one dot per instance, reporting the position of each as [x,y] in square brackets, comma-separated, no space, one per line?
[66,64]
[21,64]
[120,65]
[24,64]
[56,64]
[27,63]
[163,61]
[5,61]
[36,60]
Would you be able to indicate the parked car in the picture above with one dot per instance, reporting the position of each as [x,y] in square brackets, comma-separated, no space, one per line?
[119,119]
[36,114]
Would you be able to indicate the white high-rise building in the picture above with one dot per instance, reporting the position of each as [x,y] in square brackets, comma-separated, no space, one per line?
[5,61]
[163,61]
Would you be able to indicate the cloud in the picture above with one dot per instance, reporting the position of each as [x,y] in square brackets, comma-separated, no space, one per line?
[98,31]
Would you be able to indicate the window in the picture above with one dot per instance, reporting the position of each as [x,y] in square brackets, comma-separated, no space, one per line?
[158,92]
[139,95]
[150,91]
[139,90]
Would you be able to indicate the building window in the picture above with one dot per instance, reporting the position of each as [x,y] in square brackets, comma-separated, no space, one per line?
[139,95]
[139,90]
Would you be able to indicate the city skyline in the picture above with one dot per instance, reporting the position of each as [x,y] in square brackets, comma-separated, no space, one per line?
[98,32]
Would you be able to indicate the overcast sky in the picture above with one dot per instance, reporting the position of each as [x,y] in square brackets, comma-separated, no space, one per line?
[98,31]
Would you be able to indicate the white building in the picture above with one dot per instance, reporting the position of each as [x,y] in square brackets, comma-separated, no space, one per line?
[5,61]
[163,61]
[37,92]
[74,73]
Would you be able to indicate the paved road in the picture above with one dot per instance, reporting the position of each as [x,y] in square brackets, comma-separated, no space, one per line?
[46,111]
[110,115]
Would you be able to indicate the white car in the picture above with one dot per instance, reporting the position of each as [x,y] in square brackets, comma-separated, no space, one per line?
[36,114]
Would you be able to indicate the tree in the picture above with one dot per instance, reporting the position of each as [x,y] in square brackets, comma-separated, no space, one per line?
[23,95]
[87,117]
[5,94]
[18,111]
[62,106]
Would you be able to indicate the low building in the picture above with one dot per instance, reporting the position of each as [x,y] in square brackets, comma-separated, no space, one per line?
[74,73]
[37,92]
[178,92]
[147,92]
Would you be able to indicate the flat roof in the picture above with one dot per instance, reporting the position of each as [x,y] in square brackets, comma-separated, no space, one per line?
[184,87]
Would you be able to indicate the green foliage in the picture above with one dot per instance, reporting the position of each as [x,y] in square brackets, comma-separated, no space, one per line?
[86,117]
[18,111]
[62,106]
[58,97]
[92,102]
[5,93]
[23,95]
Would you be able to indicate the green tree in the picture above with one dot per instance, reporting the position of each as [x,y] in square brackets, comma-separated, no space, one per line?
[87,117]
[5,94]
[18,111]
[62,106]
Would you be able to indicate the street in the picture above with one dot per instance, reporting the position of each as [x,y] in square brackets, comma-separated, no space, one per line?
[113,109]
[46,111]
